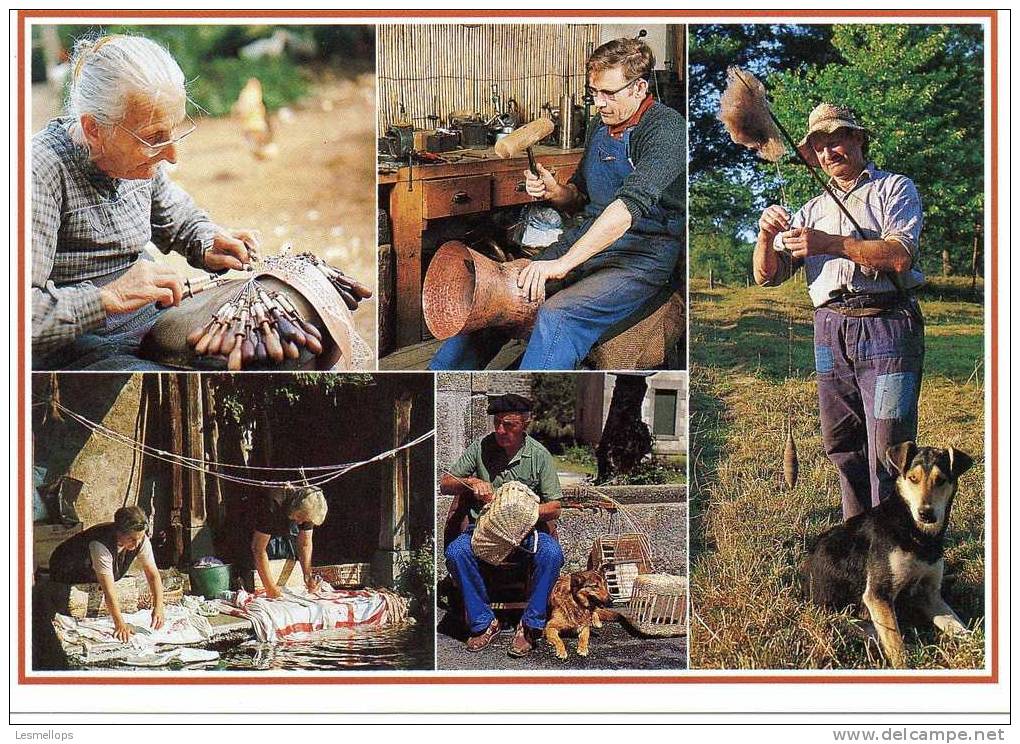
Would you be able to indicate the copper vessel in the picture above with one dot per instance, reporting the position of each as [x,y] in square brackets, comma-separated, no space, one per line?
[464,291]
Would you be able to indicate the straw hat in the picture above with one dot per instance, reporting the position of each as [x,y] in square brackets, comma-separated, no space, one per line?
[827,118]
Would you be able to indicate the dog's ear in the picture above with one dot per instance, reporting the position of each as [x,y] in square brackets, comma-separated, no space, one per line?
[899,456]
[576,582]
[959,462]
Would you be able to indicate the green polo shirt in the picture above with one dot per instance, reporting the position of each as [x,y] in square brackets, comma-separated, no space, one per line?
[532,465]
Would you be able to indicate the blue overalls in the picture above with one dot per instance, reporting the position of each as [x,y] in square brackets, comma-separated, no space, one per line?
[608,287]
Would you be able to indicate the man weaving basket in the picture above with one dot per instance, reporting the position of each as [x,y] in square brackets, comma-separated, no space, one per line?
[506,456]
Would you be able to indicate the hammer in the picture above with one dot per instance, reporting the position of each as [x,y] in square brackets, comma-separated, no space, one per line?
[523,138]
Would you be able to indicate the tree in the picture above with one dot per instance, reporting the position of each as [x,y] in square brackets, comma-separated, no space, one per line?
[722,212]
[759,48]
[626,439]
[552,419]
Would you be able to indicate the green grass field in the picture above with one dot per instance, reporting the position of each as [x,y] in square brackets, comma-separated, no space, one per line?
[749,532]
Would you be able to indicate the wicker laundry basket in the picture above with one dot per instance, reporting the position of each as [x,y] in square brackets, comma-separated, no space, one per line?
[87,600]
[173,589]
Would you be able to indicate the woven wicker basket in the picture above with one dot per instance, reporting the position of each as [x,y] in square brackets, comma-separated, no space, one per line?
[87,600]
[644,345]
[173,590]
[621,559]
[658,605]
[345,575]
[504,522]
[287,574]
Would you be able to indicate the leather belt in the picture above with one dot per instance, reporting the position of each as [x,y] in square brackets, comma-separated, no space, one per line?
[868,305]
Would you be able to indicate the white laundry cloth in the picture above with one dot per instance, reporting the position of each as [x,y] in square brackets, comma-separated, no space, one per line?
[151,657]
[93,638]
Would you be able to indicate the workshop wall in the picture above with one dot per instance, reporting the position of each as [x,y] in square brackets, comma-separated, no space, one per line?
[442,68]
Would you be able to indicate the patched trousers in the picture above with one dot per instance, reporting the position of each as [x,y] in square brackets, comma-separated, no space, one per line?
[869,380]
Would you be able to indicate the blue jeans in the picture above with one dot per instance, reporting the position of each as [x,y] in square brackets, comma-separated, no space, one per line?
[546,563]
[869,380]
[112,348]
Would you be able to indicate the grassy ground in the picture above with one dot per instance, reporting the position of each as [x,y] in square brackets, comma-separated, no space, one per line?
[749,532]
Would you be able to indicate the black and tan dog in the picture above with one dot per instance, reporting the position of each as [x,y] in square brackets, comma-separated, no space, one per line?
[577,604]
[894,548]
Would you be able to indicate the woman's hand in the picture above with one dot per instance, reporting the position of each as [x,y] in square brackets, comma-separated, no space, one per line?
[121,631]
[158,617]
[533,277]
[273,592]
[145,282]
[232,249]
[312,584]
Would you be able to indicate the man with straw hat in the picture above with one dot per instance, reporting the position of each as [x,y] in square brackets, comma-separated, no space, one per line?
[505,456]
[868,328]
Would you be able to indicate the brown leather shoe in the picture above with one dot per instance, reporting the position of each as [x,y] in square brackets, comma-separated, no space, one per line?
[524,640]
[483,639]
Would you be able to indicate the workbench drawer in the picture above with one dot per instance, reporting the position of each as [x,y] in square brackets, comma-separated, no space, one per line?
[508,189]
[447,197]
[508,186]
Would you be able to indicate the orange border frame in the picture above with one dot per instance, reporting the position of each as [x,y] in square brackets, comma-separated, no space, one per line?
[439,676]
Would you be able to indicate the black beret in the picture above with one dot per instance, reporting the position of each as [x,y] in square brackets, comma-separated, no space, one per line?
[509,403]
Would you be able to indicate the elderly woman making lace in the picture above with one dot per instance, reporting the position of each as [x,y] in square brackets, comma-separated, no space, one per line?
[100,193]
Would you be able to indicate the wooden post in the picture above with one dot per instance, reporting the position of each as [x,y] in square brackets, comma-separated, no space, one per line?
[711,278]
[947,265]
[393,533]
[390,557]
[213,492]
[200,540]
[974,257]
[174,411]
[194,448]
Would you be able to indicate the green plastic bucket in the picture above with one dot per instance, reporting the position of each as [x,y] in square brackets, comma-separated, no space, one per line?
[209,581]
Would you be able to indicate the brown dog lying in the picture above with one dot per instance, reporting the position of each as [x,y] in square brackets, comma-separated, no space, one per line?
[577,604]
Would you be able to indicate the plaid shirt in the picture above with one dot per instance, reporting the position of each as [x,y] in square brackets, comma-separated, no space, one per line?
[87,226]
[887,207]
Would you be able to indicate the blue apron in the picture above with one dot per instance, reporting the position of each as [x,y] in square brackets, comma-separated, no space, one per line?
[606,164]
[652,244]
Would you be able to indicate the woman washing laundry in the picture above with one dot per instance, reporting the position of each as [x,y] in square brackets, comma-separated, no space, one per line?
[104,553]
[280,514]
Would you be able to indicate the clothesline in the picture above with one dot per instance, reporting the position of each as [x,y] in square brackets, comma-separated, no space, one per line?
[323,473]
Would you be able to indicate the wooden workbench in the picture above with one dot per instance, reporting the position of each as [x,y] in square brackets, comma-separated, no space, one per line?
[416,197]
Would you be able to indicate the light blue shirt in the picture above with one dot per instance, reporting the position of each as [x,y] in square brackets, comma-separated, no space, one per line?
[887,207]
